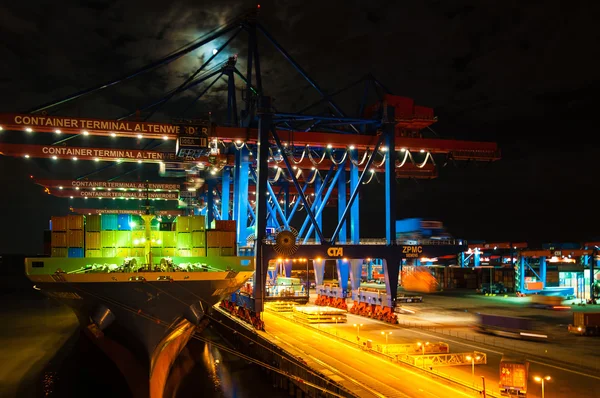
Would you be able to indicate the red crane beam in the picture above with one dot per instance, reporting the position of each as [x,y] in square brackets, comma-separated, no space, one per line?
[67,125]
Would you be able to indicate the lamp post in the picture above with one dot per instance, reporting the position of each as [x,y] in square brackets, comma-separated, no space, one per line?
[541,380]
[422,345]
[473,359]
[386,339]
[358,326]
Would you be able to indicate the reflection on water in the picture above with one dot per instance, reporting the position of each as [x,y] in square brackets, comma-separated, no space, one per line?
[202,370]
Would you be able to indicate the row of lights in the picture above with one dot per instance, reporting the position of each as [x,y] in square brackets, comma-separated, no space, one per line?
[85,132]
[74,158]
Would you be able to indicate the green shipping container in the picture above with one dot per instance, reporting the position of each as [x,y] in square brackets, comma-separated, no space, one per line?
[108,239]
[198,223]
[198,239]
[93,253]
[169,239]
[184,240]
[123,238]
[92,223]
[109,252]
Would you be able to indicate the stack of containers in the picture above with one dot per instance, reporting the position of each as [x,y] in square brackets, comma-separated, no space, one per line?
[156,247]
[109,226]
[197,226]
[221,240]
[75,235]
[184,236]
[58,240]
[93,241]
[169,242]
[123,236]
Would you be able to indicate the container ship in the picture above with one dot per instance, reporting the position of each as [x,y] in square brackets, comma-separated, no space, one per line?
[139,285]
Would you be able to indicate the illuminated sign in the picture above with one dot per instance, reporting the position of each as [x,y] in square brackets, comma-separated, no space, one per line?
[335,251]
[412,251]
[48,123]
[65,193]
[108,184]
[124,211]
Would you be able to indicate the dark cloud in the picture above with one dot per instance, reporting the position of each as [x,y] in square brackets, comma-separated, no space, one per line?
[522,73]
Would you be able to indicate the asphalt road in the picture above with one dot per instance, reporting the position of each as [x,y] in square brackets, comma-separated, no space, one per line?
[365,374]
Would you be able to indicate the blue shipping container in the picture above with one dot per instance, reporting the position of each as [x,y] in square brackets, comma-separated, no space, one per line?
[108,222]
[124,222]
[75,252]
[408,225]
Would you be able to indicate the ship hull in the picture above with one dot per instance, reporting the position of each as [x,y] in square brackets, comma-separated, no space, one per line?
[141,321]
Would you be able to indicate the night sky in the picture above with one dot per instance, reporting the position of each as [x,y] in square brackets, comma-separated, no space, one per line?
[521,73]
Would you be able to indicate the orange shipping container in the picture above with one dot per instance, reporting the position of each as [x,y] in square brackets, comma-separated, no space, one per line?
[58,239]
[75,221]
[92,241]
[226,239]
[59,223]
[213,238]
[75,238]
[225,225]
[535,285]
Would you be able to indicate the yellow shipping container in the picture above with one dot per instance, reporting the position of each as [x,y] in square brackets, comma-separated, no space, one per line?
[197,223]
[123,238]
[109,251]
[93,253]
[123,252]
[137,252]
[169,239]
[199,252]
[213,252]
[108,238]
[59,252]
[198,239]
[168,252]
[183,224]
[184,252]
[93,241]
[184,240]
